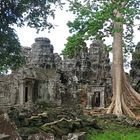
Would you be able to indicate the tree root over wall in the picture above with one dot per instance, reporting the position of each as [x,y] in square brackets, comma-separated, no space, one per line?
[128,100]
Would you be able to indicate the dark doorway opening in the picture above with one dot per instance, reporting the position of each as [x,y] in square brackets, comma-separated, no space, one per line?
[96,99]
[48,66]
[26,94]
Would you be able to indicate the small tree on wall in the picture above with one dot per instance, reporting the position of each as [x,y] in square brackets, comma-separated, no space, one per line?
[97,19]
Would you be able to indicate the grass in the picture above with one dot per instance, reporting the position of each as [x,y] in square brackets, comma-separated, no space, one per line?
[113,130]
[114,136]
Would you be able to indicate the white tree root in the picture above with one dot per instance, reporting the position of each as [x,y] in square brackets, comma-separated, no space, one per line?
[62,119]
[129,100]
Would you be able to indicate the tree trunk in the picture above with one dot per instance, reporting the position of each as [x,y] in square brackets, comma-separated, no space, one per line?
[123,94]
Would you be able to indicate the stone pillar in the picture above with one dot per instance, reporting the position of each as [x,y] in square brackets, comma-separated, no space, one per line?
[102,104]
[30,91]
[89,101]
[22,92]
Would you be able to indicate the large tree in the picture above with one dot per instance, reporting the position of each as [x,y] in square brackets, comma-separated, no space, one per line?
[98,19]
[33,13]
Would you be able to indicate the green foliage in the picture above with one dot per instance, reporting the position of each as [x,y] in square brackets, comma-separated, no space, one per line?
[47,129]
[135,55]
[10,50]
[94,19]
[28,130]
[34,13]
[74,46]
[115,136]
[113,129]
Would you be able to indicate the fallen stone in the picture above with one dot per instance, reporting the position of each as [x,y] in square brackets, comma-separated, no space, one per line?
[77,136]
[8,128]
[41,136]
[4,137]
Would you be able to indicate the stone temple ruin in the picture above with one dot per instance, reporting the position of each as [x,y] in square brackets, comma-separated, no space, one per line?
[135,69]
[45,77]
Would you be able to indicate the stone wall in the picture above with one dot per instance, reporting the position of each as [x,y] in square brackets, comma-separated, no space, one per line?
[135,69]
[91,65]
[46,77]
[27,85]
[90,70]
[8,90]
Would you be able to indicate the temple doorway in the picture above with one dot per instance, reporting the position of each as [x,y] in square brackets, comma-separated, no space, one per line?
[96,99]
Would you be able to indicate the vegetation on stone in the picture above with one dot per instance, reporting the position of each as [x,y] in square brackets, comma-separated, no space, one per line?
[101,19]
[51,97]
[114,128]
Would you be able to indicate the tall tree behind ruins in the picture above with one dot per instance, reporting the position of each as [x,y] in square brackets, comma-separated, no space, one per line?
[97,19]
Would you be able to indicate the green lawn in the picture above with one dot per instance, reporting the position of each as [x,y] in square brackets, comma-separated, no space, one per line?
[114,136]
[113,129]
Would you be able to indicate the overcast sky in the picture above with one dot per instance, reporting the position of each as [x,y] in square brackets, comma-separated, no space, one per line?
[57,35]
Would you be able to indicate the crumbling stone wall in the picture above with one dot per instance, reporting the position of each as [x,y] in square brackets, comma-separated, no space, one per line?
[46,77]
[135,68]
[38,85]
[35,81]
[90,70]
[8,90]
[91,65]
[26,53]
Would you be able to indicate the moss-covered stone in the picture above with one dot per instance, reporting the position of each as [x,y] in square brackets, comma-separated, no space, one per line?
[26,131]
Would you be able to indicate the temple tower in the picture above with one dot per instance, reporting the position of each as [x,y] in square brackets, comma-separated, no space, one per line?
[42,53]
[135,68]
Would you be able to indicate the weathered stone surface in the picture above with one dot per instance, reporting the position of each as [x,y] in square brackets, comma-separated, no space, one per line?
[8,129]
[75,136]
[135,69]
[88,72]
[46,77]
[4,137]
[42,53]
[27,85]
[41,136]
[26,53]
[66,85]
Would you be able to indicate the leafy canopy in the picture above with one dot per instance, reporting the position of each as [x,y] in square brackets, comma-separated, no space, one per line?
[33,13]
[94,20]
